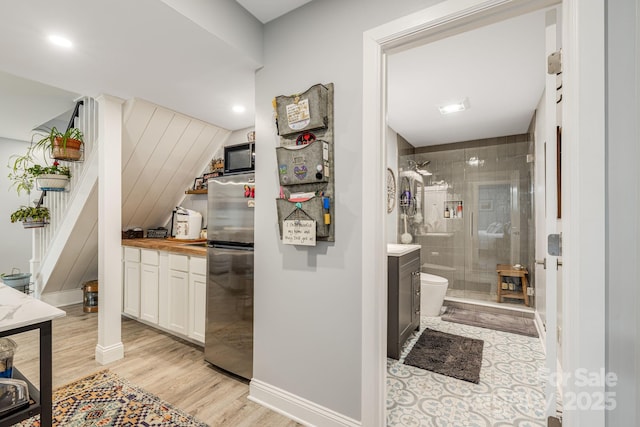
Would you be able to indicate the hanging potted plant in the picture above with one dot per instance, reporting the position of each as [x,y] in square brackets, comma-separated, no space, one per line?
[31,217]
[25,173]
[51,178]
[63,145]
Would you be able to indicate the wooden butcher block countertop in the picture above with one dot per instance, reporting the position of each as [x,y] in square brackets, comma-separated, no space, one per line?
[169,245]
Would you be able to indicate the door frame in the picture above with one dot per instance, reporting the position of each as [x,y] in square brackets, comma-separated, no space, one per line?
[583,161]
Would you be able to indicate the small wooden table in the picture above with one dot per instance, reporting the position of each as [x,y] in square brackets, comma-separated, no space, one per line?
[506,270]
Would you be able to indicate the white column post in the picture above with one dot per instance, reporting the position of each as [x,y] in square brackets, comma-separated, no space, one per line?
[34,262]
[109,347]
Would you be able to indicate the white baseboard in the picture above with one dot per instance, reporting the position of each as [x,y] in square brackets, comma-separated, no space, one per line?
[62,298]
[106,355]
[297,408]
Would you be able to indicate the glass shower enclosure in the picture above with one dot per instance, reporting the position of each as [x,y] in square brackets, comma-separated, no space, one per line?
[473,210]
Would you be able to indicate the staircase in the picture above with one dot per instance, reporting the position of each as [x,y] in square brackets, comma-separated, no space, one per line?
[162,152]
[65,234]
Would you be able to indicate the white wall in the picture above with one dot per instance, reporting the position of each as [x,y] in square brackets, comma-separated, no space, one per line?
[622,210]
[15,251]
[307,320]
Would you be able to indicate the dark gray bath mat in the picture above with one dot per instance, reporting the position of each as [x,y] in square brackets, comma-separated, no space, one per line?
[498,322]
[447,354]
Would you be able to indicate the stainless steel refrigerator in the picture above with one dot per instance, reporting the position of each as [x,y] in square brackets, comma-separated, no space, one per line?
[229,328]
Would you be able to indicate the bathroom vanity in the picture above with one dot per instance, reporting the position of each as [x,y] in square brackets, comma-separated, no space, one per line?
[403,302]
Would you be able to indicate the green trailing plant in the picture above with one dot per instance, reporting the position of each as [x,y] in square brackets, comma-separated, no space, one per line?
[24,171]
[48,140]
[37,170]
[40,213]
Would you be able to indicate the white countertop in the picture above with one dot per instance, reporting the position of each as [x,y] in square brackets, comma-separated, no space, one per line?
[18,309]
[397,249]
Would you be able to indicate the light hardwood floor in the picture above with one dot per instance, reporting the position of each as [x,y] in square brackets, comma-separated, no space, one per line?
[170,368]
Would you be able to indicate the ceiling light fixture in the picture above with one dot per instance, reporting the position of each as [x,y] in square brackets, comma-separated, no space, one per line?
[454,107]
[60,41]
[238,109]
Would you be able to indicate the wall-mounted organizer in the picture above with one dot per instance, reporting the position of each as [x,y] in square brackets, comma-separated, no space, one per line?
[306,166]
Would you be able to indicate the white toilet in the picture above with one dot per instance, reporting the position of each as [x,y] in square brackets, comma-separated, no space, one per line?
[432,291]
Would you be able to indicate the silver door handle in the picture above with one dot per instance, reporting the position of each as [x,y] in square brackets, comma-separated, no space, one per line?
[558,263]
[543,263]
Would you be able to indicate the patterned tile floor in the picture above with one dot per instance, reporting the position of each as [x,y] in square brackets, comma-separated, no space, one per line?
[510,392]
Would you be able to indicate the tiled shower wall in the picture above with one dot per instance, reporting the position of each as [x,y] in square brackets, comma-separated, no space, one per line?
[494,180]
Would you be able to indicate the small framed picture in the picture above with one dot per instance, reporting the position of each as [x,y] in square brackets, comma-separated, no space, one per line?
[199,184]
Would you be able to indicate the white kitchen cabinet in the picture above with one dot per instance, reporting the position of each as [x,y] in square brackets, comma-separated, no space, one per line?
[166,290]
[149,285]
[131,300]
[178,293]
[197,298]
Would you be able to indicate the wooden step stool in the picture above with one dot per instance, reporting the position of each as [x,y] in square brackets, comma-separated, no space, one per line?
[506,270]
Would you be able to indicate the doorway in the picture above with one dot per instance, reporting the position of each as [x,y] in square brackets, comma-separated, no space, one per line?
[583,116]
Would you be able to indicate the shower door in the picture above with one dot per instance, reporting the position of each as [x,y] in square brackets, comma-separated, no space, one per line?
[493,234]
[492,185]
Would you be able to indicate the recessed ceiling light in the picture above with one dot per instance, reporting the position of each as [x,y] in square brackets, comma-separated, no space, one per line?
[60,41]
[454,107]
[238,109]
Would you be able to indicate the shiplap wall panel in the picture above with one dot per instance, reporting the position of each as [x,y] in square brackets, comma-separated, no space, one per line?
[197,157]
[169,151]
[137,114]
[143,148]
[152,167]
[158,195]
[78,251]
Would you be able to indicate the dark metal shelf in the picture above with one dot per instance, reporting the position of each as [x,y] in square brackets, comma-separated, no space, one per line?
[26,412]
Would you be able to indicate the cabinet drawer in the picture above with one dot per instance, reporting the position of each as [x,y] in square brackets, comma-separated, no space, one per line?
[132,254]
[179,262]
[149,257]
[198,265]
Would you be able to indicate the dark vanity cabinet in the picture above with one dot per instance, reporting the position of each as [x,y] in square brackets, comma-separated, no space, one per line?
[403,302]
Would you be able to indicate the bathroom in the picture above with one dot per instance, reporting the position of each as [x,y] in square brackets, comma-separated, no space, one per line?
[469,205]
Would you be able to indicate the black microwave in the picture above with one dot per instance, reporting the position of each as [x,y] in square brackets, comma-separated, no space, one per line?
[239,158]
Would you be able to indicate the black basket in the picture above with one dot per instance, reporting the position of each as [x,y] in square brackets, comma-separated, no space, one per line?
[132,234]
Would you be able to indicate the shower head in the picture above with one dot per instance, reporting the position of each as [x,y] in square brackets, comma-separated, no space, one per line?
[419,167]
[415,165]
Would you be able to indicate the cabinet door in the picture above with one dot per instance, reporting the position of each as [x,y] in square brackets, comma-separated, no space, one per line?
[197,306]
[415,309]
[149,279]
[178,301]
[409,275]
[131,303]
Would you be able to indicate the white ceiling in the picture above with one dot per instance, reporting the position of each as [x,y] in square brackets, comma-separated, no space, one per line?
[500,68]
[144,49]
[269,10]
[147,49]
